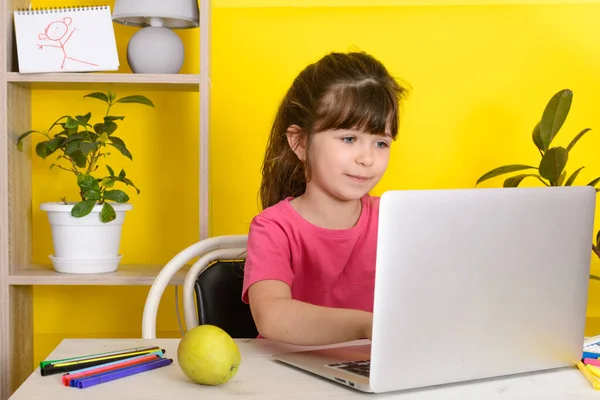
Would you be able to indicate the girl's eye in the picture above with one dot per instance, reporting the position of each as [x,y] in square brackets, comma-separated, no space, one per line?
[382,145]
[348,139]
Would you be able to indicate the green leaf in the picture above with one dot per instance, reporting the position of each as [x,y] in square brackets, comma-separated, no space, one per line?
[129,183]
[594,182]
[62,133]
[122,174]
[92,195]
[108,182]
[553,163]
[87,147]
[514,181]
[71,138]
[576,138]
[110,127]
[71,123]
[72,147]
[116,195]
[537,138]
[79,158]
[108,213]
[109,118]
[83,119]
[83,208]
[123,150]
[562,178]
[502,170]
[111,96]
[554,116]
[110,170]
[87,183]
[99,128]
[97,95]
[44,149]
[23,136]
[136,99]
[573,176]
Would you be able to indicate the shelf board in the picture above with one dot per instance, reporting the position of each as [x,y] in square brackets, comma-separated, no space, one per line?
[70,80]
[382,3]
[126,275]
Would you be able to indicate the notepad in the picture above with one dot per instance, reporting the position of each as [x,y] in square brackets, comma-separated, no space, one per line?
[66,39]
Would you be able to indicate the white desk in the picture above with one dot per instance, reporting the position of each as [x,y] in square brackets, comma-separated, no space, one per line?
[260,377]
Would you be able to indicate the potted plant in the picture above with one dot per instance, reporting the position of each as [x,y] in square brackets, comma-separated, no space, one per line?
[86,234]
[551,169]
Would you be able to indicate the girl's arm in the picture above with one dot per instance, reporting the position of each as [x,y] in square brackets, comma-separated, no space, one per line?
[279,317]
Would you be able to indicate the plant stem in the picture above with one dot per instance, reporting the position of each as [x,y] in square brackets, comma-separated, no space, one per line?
[66,169]
[596,250]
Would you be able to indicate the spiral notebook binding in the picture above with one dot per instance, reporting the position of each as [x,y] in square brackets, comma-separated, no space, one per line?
[53,10]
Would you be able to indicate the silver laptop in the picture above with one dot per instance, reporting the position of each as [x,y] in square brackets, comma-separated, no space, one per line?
[479,283]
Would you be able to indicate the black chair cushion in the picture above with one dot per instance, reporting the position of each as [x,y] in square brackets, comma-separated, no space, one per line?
[219,299]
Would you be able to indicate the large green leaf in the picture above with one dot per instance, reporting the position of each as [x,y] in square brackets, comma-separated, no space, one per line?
[83,119]
[537,139]
[576,138]
[562,178]
[136,99]
[553,163]
[87,147]
[554,116]
[71,124]
[23,136]
[87,183]
[122,149]
[110,127]
[502,170]
[98,95]
[83,208]
[116,195]
[108,213]
[79,158]
[44,149]
[594,182]
[92,194]
[573,177]
[514,181]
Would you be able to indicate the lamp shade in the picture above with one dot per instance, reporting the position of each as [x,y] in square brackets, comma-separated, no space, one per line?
[173,13]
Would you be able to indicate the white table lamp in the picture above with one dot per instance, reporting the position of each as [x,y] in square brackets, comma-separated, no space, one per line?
[156,49]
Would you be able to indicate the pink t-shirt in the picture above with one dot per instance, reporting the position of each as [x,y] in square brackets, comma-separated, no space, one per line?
[332,268]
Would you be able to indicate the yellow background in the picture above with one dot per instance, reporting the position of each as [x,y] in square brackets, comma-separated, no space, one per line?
[480,77]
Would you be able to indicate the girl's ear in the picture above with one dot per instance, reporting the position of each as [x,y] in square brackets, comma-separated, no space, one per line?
[297,141]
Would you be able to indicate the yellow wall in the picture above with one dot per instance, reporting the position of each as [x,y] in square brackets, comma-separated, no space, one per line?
[480,77]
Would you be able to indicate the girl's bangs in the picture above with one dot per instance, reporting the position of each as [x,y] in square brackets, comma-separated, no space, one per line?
[366,107]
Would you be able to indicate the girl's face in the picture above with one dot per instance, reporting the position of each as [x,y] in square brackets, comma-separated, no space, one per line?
[347,164]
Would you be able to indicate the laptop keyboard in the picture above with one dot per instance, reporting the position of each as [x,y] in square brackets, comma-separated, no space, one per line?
[357,367]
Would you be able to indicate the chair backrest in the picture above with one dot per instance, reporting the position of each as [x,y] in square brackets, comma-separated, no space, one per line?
[218,299]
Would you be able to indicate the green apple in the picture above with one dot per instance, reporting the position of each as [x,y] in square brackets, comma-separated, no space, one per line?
[208,355]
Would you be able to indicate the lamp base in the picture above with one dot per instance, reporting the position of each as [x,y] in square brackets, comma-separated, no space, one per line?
[155,50]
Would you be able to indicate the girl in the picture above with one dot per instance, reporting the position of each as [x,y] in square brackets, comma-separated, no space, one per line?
[310,269]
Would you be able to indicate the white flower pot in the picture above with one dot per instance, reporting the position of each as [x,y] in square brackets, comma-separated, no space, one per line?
[85,245]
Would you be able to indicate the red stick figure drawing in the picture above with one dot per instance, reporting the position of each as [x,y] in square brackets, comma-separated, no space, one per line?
[55,32]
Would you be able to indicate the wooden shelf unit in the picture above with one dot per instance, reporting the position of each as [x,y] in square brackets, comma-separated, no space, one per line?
[127,274]
[18,274]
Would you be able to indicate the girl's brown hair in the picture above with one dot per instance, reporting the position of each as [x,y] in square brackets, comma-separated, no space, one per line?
[340,91]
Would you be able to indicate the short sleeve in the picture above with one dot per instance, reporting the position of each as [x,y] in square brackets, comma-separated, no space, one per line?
[269,256]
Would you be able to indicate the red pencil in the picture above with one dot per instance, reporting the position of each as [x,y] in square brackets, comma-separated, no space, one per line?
[66,379]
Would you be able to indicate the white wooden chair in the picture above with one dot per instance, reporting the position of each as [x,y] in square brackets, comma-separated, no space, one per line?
[210,252]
